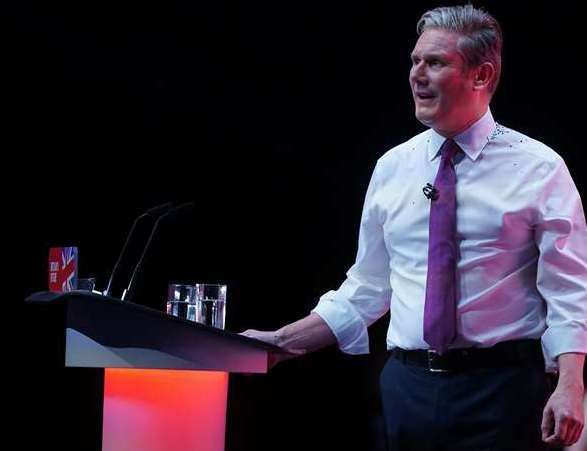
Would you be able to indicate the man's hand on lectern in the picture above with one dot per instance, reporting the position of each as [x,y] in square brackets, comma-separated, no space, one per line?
[271,337]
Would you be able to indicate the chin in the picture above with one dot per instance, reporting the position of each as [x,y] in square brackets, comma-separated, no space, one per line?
[426,119]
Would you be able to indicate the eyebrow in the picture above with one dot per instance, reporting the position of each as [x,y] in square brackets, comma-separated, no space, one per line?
[441,55]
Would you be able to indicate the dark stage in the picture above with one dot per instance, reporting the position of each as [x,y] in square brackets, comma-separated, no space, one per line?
[270,116]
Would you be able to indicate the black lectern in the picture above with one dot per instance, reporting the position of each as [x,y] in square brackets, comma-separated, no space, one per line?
[165,379]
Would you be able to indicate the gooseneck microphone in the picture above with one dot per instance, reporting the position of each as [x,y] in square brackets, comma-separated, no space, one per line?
[150,213]
[127,293]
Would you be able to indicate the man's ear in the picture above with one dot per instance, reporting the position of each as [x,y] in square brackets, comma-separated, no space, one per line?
[483,76]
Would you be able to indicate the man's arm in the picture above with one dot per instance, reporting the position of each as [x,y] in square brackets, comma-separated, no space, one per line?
[561,234]
[310,334]
[571,370]
[305,335]
[563,420]
[343,316]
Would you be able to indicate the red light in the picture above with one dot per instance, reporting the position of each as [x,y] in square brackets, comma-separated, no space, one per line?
[164,410]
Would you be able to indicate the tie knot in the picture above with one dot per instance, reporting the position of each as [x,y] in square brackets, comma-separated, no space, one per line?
[449,149]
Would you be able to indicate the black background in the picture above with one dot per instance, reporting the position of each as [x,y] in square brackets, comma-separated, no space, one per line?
[270,117]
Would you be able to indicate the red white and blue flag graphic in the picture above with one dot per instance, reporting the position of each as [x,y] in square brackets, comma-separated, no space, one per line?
[63,268]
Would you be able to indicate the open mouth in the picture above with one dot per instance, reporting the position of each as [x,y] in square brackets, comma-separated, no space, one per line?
[424,96]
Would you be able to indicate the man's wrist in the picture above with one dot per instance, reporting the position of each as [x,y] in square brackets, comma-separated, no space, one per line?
[571,383]
[571,370]
[280,337]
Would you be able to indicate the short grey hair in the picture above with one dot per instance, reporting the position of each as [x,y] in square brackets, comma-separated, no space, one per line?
[481,37]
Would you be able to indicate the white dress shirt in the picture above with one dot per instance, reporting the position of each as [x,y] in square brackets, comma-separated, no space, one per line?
[522,238]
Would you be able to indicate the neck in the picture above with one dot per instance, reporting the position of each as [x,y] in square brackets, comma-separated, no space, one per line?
[457,130]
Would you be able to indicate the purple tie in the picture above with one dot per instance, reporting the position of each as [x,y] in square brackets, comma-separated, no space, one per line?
[440,305]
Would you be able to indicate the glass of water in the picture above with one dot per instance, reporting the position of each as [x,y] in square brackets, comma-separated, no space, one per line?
[210,303]
[181,301]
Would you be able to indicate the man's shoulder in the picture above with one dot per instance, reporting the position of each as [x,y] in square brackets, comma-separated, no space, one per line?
[523,145]
[400,152]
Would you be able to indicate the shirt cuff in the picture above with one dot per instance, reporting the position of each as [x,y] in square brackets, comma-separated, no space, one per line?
[346,324]
[562,338]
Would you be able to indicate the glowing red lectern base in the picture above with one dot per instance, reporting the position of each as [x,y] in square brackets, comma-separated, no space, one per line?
[162,410]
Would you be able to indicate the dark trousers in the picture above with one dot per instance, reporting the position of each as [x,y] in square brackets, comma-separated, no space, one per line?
[476,410]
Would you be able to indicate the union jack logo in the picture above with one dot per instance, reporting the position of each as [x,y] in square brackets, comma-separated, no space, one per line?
[63,268]
[67,255]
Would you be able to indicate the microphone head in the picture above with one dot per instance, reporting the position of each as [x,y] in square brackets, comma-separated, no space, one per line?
[185,206]
[158,209]
[177,209]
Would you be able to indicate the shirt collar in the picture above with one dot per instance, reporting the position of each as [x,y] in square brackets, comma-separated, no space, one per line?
[471,141]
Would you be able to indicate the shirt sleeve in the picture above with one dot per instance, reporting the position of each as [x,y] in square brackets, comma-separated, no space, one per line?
[364,296]
[561,237]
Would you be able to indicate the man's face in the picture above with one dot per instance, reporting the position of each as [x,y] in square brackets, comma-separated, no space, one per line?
[443,92]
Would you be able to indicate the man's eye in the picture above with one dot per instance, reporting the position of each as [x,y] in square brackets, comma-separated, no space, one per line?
[435,63]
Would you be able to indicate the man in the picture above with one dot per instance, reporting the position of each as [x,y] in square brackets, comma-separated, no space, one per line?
[474,236]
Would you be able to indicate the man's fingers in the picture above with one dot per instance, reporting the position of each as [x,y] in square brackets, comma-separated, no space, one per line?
[266,336]
[562,431]
[553,441]
[547,425]
[551,427]
[250,333]
[560,427]
[574,434]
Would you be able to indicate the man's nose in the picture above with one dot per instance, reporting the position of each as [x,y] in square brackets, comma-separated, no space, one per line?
[418,72]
